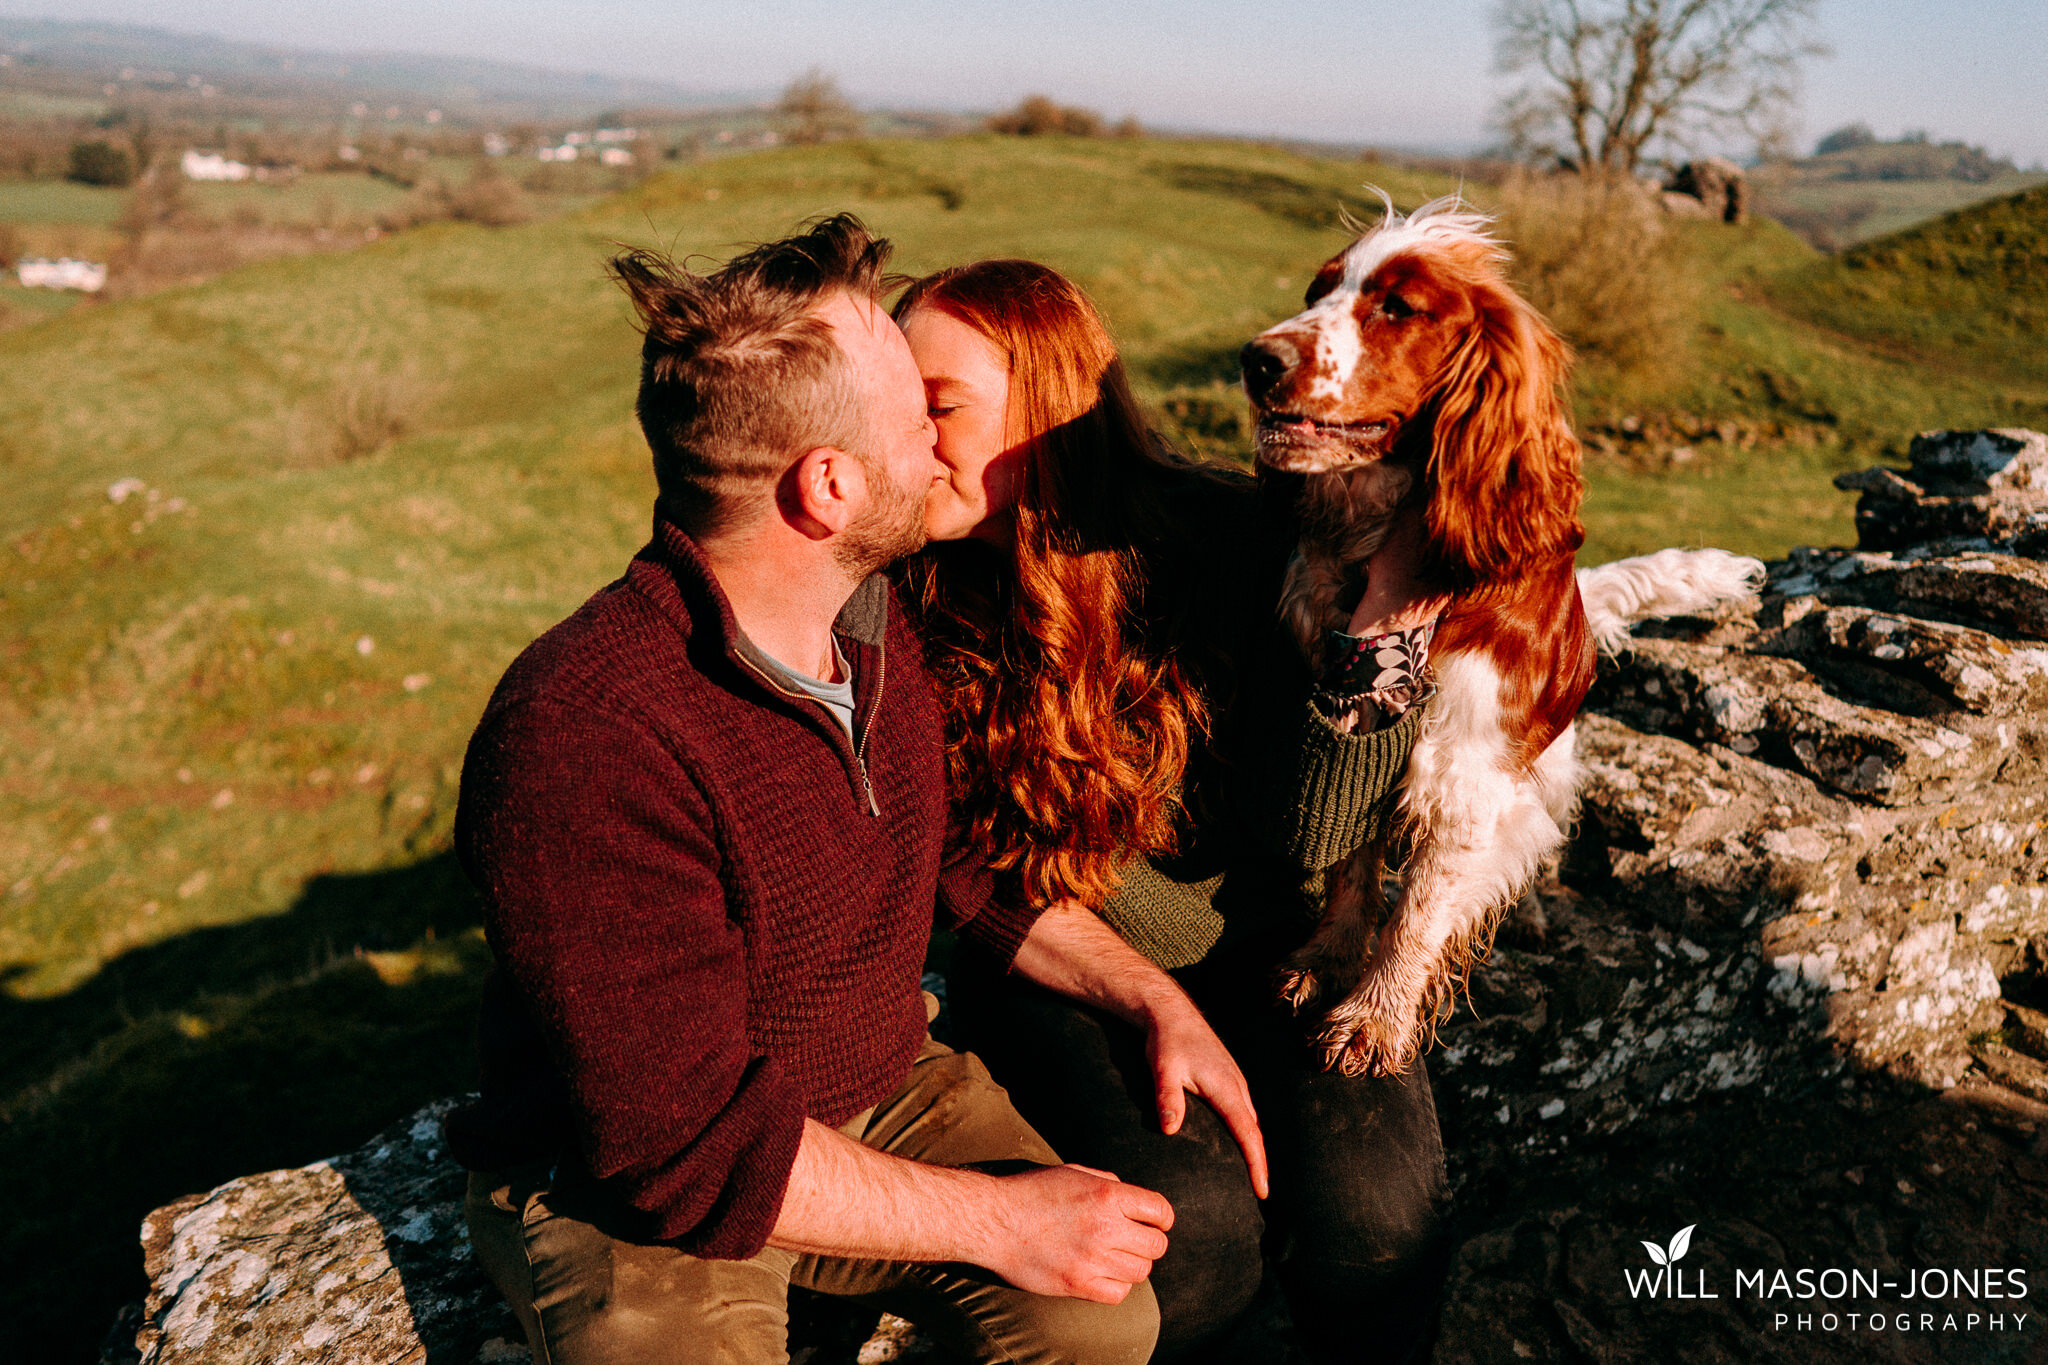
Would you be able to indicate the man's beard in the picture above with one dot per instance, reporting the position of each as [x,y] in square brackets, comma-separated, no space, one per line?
[892,528]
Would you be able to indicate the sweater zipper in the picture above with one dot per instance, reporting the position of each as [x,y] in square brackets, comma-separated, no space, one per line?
[860,761]
[860,750]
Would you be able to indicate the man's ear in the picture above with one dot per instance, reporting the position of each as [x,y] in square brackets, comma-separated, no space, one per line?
[822,492]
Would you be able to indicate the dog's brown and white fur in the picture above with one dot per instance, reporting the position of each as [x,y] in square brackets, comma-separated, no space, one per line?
[1415,374]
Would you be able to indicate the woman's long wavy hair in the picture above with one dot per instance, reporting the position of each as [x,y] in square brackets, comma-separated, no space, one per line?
[1068,716]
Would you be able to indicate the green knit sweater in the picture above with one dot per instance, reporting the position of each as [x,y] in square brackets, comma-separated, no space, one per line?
[1278,796]
[1323,795]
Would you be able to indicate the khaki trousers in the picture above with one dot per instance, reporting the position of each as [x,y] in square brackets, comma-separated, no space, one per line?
[586,1298]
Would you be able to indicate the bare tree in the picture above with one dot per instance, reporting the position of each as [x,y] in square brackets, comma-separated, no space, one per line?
[1611,79]
[814,109]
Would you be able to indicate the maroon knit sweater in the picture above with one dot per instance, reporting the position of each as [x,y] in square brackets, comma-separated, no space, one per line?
[708,909]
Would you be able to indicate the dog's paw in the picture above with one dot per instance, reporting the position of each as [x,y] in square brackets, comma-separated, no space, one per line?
[1316,973]
[1298,987]
[1367,1047]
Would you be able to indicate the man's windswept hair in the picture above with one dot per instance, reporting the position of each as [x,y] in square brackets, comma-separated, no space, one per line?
[738,374]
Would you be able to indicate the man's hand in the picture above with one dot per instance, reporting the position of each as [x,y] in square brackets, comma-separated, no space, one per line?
[1080,1233]
[1065,1230]
[1070,950]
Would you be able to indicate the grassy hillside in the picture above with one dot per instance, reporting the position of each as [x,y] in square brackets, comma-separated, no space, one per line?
[234,701]
[1967,292]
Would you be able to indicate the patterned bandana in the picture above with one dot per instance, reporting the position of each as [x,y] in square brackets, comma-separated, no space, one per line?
[1391,671]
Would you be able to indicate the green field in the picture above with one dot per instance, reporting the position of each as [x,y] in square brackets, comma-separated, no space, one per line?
[17,103]
[320,198]
[234,703]
[59,201]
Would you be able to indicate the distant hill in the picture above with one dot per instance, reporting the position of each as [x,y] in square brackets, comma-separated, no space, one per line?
[465,89]
[1853,154]
[1856,188]
[1972,286]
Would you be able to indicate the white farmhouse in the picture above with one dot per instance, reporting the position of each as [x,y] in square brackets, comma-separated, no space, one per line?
[211,166]
[63,273]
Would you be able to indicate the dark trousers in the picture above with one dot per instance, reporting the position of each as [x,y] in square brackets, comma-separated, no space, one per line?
[1354,1231]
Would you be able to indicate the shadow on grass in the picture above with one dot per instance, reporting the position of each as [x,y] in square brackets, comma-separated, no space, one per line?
[1298,201]
[1191,363]
[221,1052]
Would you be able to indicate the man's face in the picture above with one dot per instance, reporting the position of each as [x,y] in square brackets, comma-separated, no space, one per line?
[899,461]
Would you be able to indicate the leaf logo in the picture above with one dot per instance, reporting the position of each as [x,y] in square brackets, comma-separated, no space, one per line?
[1680,1241]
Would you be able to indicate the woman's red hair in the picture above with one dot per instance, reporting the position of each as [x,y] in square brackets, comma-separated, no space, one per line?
[1068,716]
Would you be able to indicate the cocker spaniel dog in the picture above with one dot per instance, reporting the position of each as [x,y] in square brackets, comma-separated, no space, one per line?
[1416,375]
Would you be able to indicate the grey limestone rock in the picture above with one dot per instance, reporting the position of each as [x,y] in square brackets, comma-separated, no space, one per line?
[1811,834]
[1716,184]
[1959,483]
[361,1257]
[1793,993]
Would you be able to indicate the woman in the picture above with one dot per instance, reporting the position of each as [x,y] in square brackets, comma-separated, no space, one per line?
[1129,730]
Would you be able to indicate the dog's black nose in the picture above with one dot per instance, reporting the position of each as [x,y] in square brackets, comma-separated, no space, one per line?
[1265,361]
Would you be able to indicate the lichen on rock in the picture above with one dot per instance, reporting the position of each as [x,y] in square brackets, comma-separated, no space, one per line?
[360,1257]
[1808,884]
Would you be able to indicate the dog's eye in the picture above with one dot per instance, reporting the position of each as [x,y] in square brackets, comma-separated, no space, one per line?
[1397,308]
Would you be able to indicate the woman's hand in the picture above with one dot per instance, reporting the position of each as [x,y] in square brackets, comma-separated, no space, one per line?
[1188,1058]
[1398,593]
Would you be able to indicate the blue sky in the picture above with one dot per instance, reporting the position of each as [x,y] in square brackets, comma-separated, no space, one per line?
[1414,73]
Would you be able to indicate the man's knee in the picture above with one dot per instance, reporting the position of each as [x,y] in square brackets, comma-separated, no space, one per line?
[586,1298]
[1088,1333]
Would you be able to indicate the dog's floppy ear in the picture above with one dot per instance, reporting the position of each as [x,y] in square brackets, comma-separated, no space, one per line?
[1503,475]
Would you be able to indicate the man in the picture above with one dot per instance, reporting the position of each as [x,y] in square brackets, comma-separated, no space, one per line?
[707,816]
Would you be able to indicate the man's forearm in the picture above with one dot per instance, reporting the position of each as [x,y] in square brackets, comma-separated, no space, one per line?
[1071,950]
[845,1199]
[1061,1230]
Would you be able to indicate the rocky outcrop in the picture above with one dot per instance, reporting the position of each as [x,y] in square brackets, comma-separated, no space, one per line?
[1793,993]
[1715,187]
[359,1258]
[1831,809]
[1988,485]
[1800,939]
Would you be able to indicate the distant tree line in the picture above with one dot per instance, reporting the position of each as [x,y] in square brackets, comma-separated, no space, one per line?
[1038,115]
[1915,155]
[814,109]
